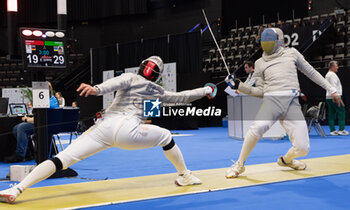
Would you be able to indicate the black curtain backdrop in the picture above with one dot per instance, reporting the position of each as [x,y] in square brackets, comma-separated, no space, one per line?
[103,59]
[45,11]
[92,9]
[184,49]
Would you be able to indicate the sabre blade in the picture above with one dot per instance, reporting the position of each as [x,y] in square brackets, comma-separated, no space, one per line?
[216,43]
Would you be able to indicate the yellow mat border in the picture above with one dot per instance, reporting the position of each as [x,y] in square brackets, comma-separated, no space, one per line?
[189,193]
[163,187]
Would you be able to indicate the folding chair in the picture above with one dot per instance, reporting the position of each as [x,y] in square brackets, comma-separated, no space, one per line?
[314,115]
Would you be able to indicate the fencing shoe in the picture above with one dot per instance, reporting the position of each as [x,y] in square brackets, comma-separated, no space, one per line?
[236,169]
[334,133]
[295,164]
[343,133]
[10,195]
[187,179]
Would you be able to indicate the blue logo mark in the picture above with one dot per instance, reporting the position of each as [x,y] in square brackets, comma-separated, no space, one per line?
[151,108]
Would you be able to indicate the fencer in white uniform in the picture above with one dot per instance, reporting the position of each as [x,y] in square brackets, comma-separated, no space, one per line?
[121,126]
[277,82]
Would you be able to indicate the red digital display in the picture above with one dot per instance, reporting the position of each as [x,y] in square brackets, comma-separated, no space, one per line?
[34,42]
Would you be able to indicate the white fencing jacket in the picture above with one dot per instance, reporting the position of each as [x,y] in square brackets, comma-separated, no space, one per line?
[132,89]
[278,72]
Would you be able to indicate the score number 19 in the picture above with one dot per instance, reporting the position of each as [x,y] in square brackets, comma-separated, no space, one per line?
[57,59]
[33,58]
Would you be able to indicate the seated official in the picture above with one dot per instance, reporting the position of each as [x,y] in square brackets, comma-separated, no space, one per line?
[23,131]
[30,108]
[249,69]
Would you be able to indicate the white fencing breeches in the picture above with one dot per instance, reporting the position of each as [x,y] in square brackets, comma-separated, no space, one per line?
[114,130]
[288,112]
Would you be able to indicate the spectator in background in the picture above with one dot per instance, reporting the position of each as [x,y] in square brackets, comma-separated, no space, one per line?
[80,126]
[249,69]
[30,108]
[23,130]
[333,109]
[60,99]
[269,25]
[258,37]
[74,104]
[280,24]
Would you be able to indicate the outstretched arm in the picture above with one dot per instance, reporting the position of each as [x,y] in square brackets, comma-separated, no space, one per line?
[121,82]
[185,96]
[316,77]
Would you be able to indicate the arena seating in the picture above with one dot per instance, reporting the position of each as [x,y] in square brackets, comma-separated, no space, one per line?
[241,43]
[339,48]
[11,73]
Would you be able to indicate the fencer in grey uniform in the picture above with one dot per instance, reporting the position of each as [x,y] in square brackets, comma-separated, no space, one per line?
[121,125]
[277,83]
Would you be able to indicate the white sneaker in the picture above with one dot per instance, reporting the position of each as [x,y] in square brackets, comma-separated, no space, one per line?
[10,195]
[343,133]
[236,169]
[187,179]
[334,133]
[295,164]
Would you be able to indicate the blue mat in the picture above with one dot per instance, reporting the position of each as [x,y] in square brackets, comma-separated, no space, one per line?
[212,148]
[330,192]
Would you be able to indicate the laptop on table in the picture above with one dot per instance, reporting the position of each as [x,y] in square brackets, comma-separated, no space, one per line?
[19,109]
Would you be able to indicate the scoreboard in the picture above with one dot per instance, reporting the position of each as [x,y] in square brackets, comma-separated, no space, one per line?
[44,53]
[43,48]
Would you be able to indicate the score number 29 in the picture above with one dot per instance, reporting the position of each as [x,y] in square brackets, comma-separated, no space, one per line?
[56,59]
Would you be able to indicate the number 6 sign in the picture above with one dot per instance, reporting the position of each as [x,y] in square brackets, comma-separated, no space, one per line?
[41,95]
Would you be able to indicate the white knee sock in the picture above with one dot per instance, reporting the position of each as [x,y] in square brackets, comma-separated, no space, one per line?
[40,172]
[175,156]
[249,143]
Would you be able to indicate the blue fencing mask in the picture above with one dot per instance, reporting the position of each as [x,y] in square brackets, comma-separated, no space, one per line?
[271,40]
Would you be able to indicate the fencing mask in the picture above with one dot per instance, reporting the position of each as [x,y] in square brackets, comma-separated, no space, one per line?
[152,68]
[271,40]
